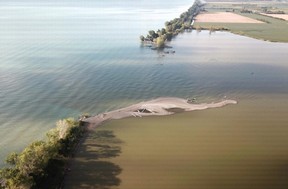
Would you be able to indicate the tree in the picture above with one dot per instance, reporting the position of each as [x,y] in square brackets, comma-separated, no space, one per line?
[169,36]
[175,26]
[153,34]
[43,160]
[12,179]
[28,165]
[63,126]
[160,42]
[142,38]
[163,31]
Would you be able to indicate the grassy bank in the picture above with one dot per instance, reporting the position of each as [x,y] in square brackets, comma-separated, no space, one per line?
[273,29]
[232,147]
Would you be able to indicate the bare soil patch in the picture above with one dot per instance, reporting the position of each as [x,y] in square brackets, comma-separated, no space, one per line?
[225,17]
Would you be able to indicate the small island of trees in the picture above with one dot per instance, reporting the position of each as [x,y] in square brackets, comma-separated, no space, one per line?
[173,27]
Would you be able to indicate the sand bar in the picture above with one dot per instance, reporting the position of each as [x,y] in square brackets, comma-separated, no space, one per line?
[158,107]
[224,17]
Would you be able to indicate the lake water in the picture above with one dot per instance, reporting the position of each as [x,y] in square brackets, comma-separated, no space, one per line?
[63,59]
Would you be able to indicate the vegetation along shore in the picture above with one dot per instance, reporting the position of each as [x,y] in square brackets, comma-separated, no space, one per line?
[44,163]
[259,21]
[173,27]
[265,21]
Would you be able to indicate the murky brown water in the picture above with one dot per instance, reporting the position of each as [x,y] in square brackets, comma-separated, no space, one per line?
[238,146]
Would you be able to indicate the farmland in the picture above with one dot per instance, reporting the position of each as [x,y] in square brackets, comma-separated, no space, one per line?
[271,29]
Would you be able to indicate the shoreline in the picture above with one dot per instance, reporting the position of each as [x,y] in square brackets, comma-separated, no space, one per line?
[243,20]
[155,107]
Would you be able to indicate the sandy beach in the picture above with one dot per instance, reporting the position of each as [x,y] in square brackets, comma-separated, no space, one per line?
[157,107]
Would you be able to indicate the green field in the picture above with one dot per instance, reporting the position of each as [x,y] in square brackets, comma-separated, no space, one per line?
[239,146]
[273,29]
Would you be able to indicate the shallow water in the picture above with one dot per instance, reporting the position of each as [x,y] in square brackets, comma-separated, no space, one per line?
[60,59]
[63,59]
[237,146]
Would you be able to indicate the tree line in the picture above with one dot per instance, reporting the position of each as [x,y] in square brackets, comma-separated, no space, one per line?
[173,27]
[42,164]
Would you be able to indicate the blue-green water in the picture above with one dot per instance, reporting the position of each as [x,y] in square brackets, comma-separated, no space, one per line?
[63,59]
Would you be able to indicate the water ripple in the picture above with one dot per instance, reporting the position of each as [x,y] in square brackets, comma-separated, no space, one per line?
[64,67]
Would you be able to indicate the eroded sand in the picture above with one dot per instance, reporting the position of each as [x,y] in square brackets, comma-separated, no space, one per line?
[225,17]
[159,106]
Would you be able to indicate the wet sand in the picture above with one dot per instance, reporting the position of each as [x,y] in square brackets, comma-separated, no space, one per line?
[156,107]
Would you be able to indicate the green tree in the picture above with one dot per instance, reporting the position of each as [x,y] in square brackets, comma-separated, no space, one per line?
[153,34]
[42,161]
[13,179]
[142,38]
[175,26]
[169,36]
[160,42]
[163,31]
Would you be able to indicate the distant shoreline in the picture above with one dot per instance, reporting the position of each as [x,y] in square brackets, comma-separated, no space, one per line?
[156,107]
[246,19]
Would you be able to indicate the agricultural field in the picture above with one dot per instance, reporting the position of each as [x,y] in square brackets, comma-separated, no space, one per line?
[265,27]
[282,16]
[225,17]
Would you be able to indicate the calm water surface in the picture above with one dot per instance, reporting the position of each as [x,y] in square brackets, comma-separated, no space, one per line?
[64,59]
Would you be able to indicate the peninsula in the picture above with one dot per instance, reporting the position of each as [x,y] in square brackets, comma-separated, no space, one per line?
[174,27]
